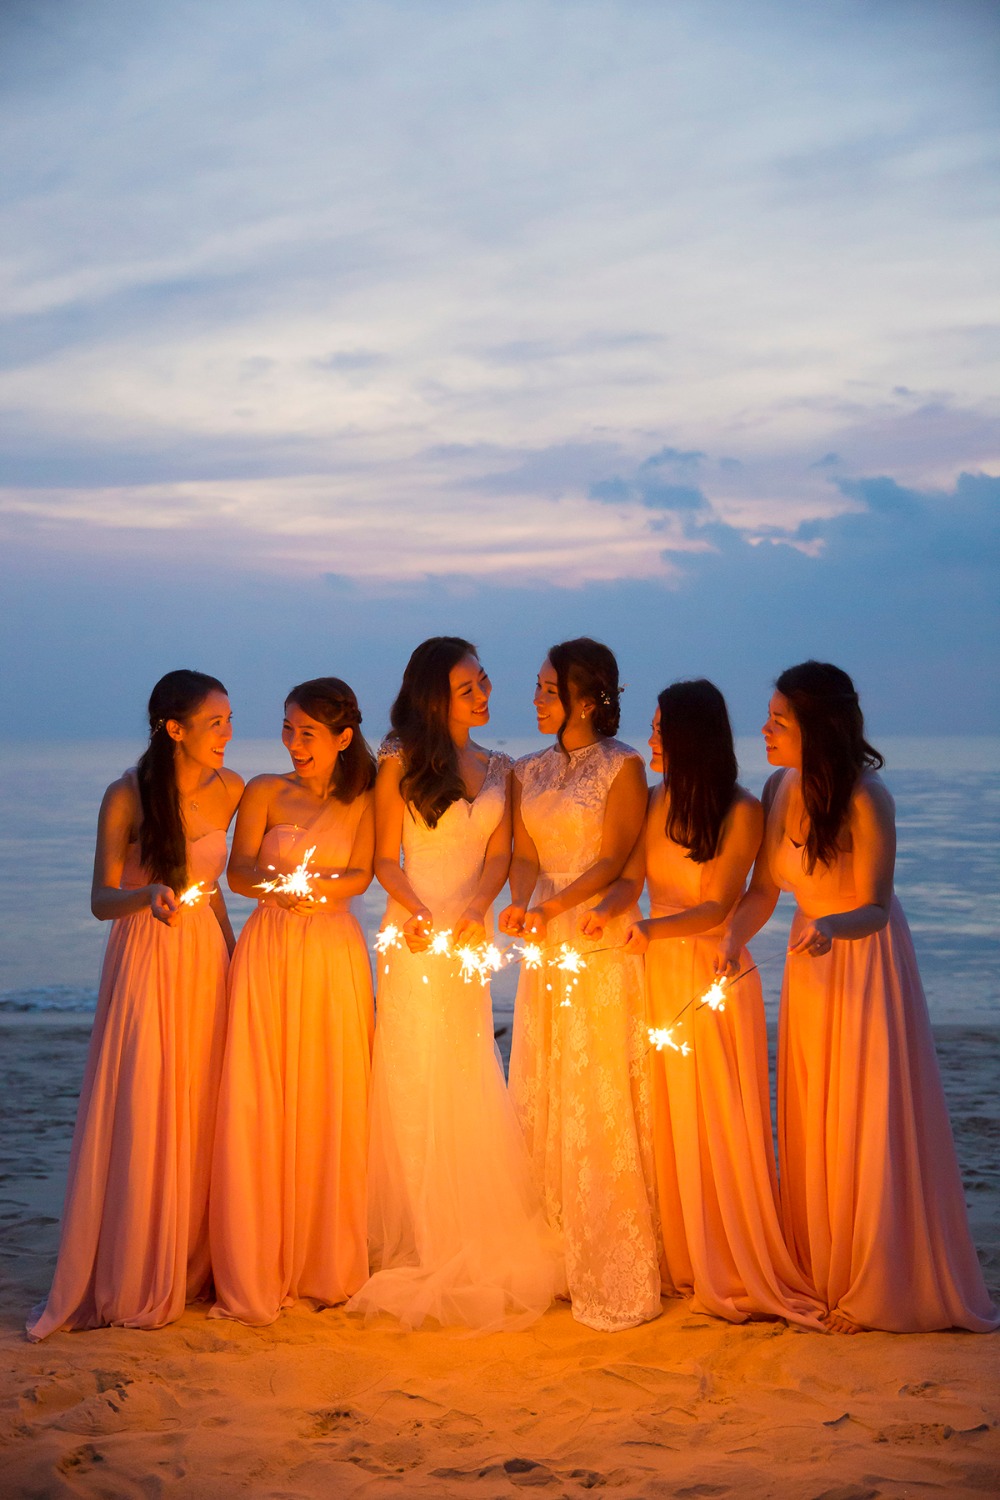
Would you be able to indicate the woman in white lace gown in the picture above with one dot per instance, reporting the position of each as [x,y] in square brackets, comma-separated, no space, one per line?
[579,1072]
[456,1231]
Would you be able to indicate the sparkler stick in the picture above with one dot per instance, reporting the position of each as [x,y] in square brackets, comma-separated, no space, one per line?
[714,997]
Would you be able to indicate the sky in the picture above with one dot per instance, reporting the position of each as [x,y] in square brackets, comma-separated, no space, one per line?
[325,327]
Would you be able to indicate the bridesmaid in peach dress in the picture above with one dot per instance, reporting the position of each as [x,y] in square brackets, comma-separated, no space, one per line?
[134,1245]
[715,1171]
[872,1199]
[288,1206]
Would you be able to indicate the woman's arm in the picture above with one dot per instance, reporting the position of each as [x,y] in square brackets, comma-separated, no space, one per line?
[389,812]
[872,823]
[523,868]
[116,822]
[471,927]
[623,815]
[742,833]
[756,907]
[622,894]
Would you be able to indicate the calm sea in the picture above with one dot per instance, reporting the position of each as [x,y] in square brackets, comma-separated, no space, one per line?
[948,804]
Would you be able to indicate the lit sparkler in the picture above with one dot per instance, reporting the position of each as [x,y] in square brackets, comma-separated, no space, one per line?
[297,882]
[194,893]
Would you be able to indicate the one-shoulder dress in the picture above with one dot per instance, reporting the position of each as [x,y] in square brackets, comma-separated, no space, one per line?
[288,1186]
[715,1170]
[871,1194]
[134,1245]
[456,1231]
[579,1070]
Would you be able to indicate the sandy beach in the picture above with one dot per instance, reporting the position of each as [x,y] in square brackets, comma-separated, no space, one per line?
[319,1406]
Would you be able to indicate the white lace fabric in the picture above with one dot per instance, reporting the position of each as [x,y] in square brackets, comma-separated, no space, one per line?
[579,1073]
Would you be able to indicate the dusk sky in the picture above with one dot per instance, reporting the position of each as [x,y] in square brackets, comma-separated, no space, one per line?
[326,327]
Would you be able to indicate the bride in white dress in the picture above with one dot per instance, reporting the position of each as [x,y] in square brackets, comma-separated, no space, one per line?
[456,1232]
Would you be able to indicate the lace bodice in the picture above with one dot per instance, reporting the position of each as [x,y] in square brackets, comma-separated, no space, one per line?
[563,803]
[444,864]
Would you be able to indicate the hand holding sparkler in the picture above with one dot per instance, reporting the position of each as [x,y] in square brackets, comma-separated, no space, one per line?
[592,923]
[418,931]
[470,929]
[536,922]
[637,939]
[293,891]
[164,905]
[511,920]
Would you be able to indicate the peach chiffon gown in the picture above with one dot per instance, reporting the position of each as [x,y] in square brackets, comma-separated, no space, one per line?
[872,1198]
[715,1170]
[134,1245]
[579,1071]
[288,1204]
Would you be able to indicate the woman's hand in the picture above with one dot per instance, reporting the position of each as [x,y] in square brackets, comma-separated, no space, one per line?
[164,905]
[637,938]
[591,923]
[536,922]
[470,930]
[418,930]
[511,920]
[727,958]
[814,938]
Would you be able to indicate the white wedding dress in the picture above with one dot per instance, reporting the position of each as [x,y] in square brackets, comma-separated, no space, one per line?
[456,1232]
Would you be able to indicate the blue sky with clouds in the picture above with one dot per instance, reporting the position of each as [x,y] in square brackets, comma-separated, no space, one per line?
[328,326]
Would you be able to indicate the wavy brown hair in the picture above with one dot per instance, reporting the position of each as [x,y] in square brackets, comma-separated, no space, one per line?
[590,670]
[162,843]
[834,750]
[431,780]
[699,765]
[330,701]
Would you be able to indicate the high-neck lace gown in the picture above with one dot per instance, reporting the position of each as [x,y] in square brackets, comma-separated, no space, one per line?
[718,1187]
[870,1187]
[134,1244]
[288,1183]
[579,1070]
[455,1228]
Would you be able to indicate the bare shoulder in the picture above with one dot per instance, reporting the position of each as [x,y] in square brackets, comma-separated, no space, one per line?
[747,810]
[232,781]
[872,798]
[772,786]
[121,798]
[261,789]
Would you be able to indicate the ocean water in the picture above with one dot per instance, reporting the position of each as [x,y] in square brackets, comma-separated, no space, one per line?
[947,793]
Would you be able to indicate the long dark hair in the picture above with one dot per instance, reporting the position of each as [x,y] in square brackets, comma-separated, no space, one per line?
[330,701]
[834,750]
[431,780]
[590,669]
[699,765]
[178,695]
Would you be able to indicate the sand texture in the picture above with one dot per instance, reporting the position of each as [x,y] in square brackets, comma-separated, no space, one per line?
[317,1405]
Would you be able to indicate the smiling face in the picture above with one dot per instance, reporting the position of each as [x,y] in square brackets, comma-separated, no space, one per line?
[655,743]
[469,701]
[782,735]
[548,706]
[313,746]
[203,736]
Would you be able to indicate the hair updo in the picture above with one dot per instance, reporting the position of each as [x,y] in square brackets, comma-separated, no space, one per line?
[331,702]
[162,844]
[834,750]
[586,669]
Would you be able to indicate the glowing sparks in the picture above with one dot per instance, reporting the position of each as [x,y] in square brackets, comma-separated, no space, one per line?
[474,962]
[297,882]
[193,894]
[715,996]
[389,937]
[530,954]
[663,1036]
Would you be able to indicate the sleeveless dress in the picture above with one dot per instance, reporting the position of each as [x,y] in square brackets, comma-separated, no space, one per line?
[715,1171]
[288,1184]
[134,1243]
[872,1198]
[456,1232]
[579,1072]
